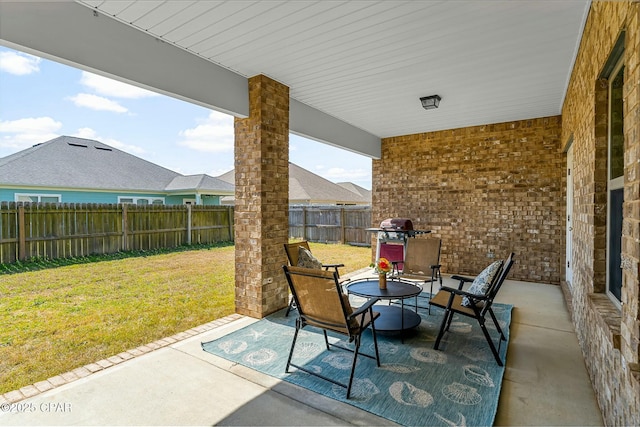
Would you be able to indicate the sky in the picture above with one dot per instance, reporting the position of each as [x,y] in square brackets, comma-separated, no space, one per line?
[42,99]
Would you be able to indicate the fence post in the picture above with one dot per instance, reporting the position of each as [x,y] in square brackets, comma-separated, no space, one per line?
[22,235]
[304,223]
[230,218]
[125,243]
[343,231]
[189,224]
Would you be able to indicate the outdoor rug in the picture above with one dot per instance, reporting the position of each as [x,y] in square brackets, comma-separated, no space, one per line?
[415,385]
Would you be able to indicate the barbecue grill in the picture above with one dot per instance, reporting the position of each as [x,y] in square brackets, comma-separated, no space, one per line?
[392,238]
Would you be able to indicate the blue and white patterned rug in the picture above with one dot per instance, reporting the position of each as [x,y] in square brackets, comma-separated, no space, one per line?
[415,385]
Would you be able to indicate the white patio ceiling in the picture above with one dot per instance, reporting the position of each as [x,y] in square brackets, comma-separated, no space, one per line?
[365,63]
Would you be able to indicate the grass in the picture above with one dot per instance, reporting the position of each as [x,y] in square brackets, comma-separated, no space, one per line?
[58,316]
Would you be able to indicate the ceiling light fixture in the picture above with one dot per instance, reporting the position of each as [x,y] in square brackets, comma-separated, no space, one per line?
[430,102]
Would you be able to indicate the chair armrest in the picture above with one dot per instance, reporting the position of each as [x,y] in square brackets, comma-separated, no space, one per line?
[463,293]
[364,307]
[332,265]
[462,278]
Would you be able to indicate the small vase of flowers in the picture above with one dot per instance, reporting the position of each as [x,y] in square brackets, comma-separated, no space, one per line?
[382,266]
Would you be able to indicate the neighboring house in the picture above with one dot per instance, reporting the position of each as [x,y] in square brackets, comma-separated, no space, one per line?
[307,188]
[76,170]
[357,189]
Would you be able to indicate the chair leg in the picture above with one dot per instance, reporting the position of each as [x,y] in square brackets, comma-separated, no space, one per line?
[291,307]
[353,364]
[495,322]
[293,344]
[490,342]
[433,271]
[449,320]
[375,341]
[443,327]
[430,296]
[326,339]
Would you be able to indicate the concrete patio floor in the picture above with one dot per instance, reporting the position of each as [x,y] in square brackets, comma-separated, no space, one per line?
[545,383]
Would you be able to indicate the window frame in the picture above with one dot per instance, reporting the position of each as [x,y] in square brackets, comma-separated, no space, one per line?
[16,197]
[615,184]
[150,200]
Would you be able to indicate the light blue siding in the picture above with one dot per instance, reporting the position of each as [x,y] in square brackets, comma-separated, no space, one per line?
[178,200]
[8,195]
[204,200]
[211,200]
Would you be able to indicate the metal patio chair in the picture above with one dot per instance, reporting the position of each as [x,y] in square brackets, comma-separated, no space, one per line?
[322,304]
[293,255]
[422,263]
[474,305]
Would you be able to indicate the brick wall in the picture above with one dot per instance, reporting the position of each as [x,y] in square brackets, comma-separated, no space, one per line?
[609,336]
[484,190]
[262,199]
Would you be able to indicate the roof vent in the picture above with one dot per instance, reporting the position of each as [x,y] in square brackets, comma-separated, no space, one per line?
[77,145]
[103,148]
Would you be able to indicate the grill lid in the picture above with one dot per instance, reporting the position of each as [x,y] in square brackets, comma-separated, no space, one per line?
[397,224]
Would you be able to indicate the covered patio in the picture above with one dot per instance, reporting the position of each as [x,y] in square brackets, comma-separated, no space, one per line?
[179,384]
[534,147]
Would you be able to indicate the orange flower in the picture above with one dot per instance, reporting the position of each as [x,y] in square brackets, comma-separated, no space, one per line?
[382,266]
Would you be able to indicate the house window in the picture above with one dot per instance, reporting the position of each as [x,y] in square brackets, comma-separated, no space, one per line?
[142,200]
[615,182]
[38,198]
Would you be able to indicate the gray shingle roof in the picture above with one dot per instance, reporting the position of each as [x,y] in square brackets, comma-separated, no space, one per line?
[307,187]
[201,183]
[318,189]
[70,162]
[356,189]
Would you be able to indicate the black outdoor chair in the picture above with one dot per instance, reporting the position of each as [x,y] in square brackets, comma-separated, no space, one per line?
[322,304]
[477,306]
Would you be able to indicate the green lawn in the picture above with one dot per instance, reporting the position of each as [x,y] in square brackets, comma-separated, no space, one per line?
[54,320]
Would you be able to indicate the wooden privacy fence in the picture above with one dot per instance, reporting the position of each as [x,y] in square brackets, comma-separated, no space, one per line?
[331,224]
[44,230]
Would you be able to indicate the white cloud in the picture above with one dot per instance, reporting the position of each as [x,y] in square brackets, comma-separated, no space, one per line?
[219,171]
[215,134]
[23,133]
[86,133]
[109,87]
[37,124]
[19,63]
[89,133]
[96,102]
[346,175]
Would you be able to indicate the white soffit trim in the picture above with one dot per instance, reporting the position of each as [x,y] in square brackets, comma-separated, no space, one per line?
[70,33]
[74,35]
[311,123]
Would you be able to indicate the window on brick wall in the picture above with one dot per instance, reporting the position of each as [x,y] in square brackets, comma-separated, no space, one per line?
[615,181]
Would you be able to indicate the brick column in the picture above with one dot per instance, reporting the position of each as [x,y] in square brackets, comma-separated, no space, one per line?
[262,199]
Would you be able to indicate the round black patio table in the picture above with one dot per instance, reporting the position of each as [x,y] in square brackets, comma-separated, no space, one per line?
[393,318]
